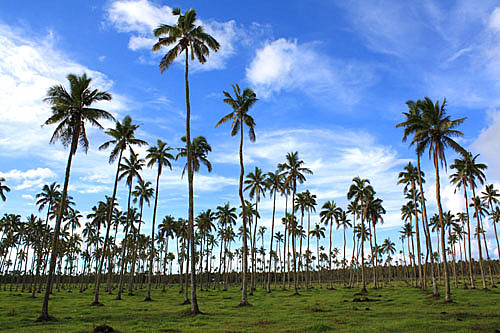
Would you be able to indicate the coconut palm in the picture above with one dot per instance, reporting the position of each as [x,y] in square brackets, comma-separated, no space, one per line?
[361,192]
[160,156]
[199,154]
[344,222]
[122,138]
[71,110]
[318,232]
[414,122]
[436,134]
[491,196]
[186,36]
[255,182]
[241,104]
[329,212]
[274,185]
[3,188]
[129,170]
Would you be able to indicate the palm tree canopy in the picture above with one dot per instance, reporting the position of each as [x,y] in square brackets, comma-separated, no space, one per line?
[160,155]
[199,153]
[256,183]
[122,138]
[186,36]
[241,104]
[71,110]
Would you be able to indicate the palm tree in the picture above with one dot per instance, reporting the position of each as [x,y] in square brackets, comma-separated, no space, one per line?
[329,212]
[186,36]
[122,137]
[3,188]
[361,191]
[436,135]
[70,110]
[199,151]
[256,184]
[129,170]
[318,232]
[409,176]
[414,122]
[491,196]
[160,155]
[274,184]
[344,222]
[142,192]
[241,104]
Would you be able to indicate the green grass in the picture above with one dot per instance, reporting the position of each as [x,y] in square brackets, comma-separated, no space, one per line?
[398,309]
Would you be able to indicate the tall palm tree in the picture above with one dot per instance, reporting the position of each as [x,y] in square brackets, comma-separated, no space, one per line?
[122,138]
[187,36]
[409,177]
[295,173]
[414,122]
[70,110]
[159,155]
[329,213]
[241,104]
[199,151]
[436,134]
[3,188]
[129,170]
[491,196]
[318,232]
[344,222]
[255,182]
[274,184]
[360,192]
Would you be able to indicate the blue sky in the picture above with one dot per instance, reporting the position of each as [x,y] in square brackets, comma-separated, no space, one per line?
[332,78]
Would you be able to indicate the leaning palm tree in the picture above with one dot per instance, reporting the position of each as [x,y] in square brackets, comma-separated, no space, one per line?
[70,110]
[241,104]
[3,188]
[156,155]
[122,138]
[436,134]
[186,36]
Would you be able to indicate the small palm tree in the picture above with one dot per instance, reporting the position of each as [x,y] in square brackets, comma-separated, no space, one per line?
[241,104]
[159,155]
[273,185]
[71,111]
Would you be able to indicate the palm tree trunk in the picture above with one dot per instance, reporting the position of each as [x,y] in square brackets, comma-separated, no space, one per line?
[271,246]
[295,282]
[124,248]
[447,297]
[244,296]
[471,275]
[150,272]
[330,255]
[106,238]
[45,306]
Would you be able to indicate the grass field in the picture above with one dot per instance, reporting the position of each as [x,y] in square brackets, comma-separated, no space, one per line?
[396,309]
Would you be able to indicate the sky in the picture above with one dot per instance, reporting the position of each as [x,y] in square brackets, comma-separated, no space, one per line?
[332,79]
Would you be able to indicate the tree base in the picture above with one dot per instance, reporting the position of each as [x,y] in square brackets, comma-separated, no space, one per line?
[148,299]
[96,303]
[130,294]
[295,294]
[244,303]
[186,301]
[45,318]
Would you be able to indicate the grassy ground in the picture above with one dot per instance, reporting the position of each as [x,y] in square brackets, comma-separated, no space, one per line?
[397,309]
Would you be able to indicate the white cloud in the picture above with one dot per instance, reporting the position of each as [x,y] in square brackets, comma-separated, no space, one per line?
[27,197]
[494,22]
[488,144]
[285,65]
[141,17]
[29,178]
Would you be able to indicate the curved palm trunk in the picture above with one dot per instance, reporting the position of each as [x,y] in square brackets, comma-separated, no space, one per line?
[441,222]
[106,239]
[150,272]
[53,257]
[244,296]
[417,230]
[271,246]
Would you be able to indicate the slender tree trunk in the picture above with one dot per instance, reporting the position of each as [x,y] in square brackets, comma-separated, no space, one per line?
[106,238]
[441,222]
[45,306]
[271,246]
[150,272]
[124,248]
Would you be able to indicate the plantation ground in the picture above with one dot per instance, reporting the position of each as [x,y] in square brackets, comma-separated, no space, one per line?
[398,309]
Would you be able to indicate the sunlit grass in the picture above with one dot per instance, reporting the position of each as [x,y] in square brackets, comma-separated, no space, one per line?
[396,308]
